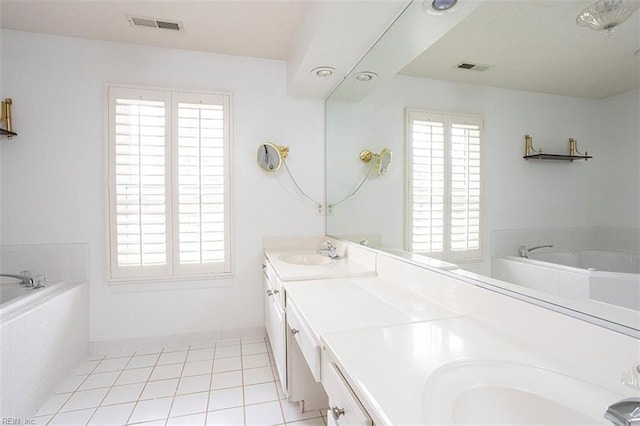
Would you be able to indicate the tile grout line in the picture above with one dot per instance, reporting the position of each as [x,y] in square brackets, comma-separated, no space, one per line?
[76,390]
[145,384]
[110,387]
[175,392]
[206,413]
[244,402]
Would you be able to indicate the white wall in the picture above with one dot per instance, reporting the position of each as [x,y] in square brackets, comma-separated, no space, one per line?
[618,189]
[53,173]
[517,193]
[2,140]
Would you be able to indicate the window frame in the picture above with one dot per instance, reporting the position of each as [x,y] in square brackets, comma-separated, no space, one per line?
[448,119]
[172,270]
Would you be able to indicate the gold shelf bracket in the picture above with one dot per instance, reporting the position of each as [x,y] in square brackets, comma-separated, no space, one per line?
[5,116]
[573,149]
[528,146]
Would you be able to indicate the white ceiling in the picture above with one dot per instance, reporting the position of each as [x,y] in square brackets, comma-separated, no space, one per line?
[529,44]
[306,33]
[536,46]
[264,29]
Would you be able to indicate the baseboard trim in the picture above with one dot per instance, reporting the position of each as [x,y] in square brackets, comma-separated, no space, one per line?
[159,343]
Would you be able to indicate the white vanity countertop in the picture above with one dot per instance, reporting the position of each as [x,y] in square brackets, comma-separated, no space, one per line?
[343,267]
[354,303]
[389,367]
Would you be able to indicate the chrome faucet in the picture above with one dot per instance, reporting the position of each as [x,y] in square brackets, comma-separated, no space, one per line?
[24,277]
[524,251]
[624,413]
[329,250]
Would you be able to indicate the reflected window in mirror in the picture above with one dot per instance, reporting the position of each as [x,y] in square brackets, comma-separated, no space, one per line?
[444,214]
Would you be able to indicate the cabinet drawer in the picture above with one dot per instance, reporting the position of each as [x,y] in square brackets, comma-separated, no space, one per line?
[344,407]
[308,346]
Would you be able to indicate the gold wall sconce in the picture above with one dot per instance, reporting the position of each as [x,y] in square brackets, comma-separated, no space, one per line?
[5,117]
[383,159]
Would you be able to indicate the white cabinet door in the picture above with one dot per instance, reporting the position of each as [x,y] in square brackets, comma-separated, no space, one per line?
[278,344]
[344,406]
[275,324]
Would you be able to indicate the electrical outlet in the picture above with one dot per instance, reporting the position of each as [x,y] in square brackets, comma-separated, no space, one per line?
[320,210]
[330,210]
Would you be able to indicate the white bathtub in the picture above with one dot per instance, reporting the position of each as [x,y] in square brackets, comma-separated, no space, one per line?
[43,336]
[593,260]
[603,275]
[13,295]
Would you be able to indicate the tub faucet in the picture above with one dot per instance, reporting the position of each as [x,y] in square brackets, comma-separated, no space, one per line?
[624,413]
[524,251]
[24,277]
[328,250]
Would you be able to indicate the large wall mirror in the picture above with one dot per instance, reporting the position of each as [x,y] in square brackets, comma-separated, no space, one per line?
[453,96]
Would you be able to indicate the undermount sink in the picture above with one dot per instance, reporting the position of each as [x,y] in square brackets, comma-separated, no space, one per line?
[501,392]
[305,258]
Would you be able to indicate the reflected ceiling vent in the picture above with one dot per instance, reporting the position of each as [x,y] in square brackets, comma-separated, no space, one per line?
[472,66]
[161,24]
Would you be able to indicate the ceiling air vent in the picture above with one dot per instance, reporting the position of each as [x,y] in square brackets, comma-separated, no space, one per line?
[162,24]
[470,66]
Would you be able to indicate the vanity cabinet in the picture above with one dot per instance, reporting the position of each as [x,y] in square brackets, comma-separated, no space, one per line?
[344,406]
[292,344]
[275,323]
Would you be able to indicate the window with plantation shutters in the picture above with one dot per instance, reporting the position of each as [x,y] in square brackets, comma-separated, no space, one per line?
[168,184]
[444,180]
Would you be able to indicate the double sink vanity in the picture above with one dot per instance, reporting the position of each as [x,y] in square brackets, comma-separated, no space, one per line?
[375,339]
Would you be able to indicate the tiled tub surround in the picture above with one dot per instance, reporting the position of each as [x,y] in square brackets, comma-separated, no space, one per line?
[57,262]
[43,340]
[579,277]
[44,333]
[224,383]
[506,242]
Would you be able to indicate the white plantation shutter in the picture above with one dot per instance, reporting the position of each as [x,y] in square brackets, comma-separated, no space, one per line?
[444,185]
[168,183]
[465,187]
[202,231]
[427,184]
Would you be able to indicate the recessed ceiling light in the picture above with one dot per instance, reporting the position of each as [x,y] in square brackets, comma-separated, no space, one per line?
[365,76]
[438,7]
[323,71]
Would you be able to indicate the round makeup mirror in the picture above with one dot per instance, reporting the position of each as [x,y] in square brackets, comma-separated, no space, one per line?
[383,162]
[270,156]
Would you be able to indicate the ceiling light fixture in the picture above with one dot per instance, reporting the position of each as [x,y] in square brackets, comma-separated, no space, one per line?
[323,71]
[605,15]
[438,7]
[365,76]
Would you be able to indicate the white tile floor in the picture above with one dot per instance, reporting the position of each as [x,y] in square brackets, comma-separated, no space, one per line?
[227,383]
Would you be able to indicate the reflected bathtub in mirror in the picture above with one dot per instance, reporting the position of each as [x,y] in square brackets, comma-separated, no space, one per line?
[606,276]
